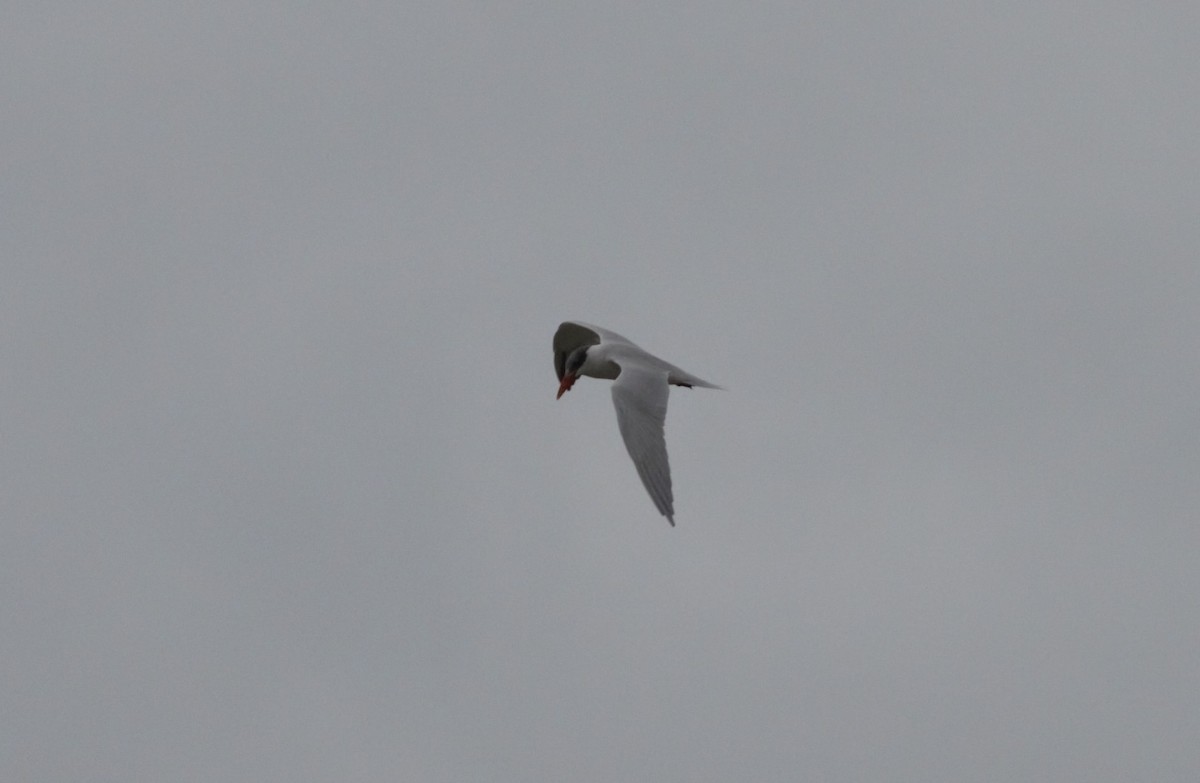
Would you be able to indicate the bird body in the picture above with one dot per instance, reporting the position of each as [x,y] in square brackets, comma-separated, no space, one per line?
[641,384]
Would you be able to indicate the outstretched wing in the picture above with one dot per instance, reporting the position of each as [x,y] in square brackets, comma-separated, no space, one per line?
[640,397]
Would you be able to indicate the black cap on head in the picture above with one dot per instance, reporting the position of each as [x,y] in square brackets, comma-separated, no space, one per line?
[576,359]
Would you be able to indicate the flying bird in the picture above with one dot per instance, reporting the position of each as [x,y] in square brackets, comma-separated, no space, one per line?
[641,383]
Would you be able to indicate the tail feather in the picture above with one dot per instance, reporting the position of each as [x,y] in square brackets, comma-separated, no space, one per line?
[678,377]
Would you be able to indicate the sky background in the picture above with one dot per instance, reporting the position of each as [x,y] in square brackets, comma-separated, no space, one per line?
[285,494]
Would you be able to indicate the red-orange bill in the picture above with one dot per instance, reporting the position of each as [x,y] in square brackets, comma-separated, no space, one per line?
[567,382]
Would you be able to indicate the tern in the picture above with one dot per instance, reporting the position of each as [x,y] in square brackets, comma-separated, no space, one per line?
[641,383]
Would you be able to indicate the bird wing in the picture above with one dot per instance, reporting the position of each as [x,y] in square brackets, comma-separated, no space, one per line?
[640,397]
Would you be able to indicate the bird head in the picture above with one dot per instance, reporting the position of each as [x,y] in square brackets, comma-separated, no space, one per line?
[571,370]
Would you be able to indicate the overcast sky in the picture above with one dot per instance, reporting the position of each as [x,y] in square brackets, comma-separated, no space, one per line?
[285,494]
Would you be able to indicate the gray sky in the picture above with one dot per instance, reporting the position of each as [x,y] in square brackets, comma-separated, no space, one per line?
[286,494]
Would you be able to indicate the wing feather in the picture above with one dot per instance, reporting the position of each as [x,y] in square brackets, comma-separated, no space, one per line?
[640,397]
